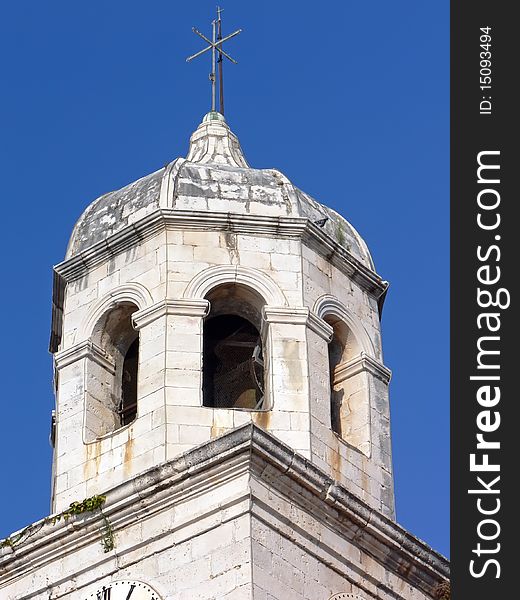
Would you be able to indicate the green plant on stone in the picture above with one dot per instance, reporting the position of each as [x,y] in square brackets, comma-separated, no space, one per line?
[107,539]
[78,508]
[88,505]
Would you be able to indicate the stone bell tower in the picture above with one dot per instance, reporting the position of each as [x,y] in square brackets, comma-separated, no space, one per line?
[206,296]
[220,381]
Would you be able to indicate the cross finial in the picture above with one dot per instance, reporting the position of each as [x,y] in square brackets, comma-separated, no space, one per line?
[215,45]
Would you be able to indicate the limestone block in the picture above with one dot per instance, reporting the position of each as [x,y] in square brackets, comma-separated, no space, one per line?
[299,421]
[151,382]
[190,415]
[194,434]
[78,492]
[222,418]
[211,255]
[291,401]
[182,271]
[212,540]
[183,360]
[288,281]
[284,262]
[183,342]
[300,440]
[201,238]
[108,283]
[256,260]
[180,253]
[182,396]
[151,402]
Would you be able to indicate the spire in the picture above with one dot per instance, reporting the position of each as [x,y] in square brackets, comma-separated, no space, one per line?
[214,142]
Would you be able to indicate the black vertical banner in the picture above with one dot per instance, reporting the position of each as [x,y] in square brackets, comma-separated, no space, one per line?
[485,350]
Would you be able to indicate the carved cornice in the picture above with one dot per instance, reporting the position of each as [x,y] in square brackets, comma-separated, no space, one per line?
[245,449]
[298,316]
[86,349]
[319,326]
[173,219]
[284,314]
[189,308]
[362,364]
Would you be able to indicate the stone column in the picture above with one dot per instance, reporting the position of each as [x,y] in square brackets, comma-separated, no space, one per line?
[319,335]
[84,374]
[288,376]
[180,323]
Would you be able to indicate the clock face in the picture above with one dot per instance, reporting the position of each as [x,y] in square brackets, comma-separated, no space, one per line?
[124,590]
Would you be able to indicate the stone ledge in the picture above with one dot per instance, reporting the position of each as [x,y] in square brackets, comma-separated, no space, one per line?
[285,314]
[173,219]
[184,307]
[200,468]
[299,316]
[360,364]
[82,350]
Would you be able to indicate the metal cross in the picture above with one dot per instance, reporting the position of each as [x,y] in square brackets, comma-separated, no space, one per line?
[215,45]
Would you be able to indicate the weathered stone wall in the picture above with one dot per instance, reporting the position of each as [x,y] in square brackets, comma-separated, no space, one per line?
[158,247]
[83,469]
[241,517]
[367,471]
[167,277]
[202,560]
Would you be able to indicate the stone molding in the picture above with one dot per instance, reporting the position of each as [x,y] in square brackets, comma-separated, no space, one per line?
[169,182]
[325,246]
[86,349]
[167,218]
[184,307]
[360,364]
[330,305]
[298,316]
[284,314]
[247,449]
[133,292]
[212,277]
[320,327]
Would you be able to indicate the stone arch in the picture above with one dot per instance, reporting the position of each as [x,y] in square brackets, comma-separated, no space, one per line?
[328,305]
[237,293]
[348,376]
[234,349]
[111,368]
[111,384]
[210,278]
[133,293]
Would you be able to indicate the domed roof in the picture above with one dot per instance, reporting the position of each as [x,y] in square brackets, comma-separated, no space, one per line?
[213,177]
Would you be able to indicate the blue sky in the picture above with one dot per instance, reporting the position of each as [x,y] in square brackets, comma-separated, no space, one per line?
[348,99]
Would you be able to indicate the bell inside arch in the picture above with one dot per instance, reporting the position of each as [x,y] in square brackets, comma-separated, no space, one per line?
[233,364]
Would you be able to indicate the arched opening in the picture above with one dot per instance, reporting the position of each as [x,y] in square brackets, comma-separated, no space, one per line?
[111,391]
[348,387]
[233,359]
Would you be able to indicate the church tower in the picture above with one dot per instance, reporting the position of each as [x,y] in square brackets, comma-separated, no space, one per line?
[222,426]
[207,296]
